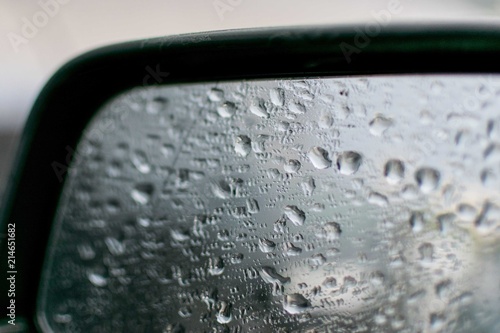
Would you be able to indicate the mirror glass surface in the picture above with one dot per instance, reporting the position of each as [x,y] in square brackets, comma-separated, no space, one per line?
[353,204]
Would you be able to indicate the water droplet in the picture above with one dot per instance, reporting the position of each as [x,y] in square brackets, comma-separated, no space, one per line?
[292,166]
[252,206]
[319,158]
[492,153]
[224,314]
[417,221]
[291,250]
[427,179]
[295,303]
[266,245]
[242,145]
[489,218]
[294,214]
[379,125]
[325,121]
[277,96]
[489,178]
[156,105]
[185,312]
[226,110]
[115,247]
[329,231]
[297,108]
[179,235]
[86,251]
[142,193]
[349,162]
[215,266]
[140,161]
[317,260]
[215,95]
[330,282]
[97,280]
[258,108]
[269,275]
[394,171]
[308,185]
[378,199]
[426,251]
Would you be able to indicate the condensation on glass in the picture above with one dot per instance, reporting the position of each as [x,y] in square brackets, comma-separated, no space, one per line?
[358,204]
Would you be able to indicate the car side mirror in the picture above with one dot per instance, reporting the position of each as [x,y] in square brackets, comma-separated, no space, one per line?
[274,180]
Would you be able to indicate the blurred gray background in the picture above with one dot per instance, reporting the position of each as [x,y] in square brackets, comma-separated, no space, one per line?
[30,54]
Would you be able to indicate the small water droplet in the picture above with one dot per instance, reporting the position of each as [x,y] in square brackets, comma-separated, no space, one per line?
[242,145]
[114,246]
[319,158]
[427,179]
[266,245]
[97,280]
[330,282]
[277,96]
[226,110]
[417,221]
[379,125]
[308,185]
[292,166]
[156,105]
[291,250]
[325,121]
[295,303]
[269,275]
[349,162]
[294,214]
[215,266]
[426,251]
[224,314]
[215,95]
[258,108]
[140,161]
[378,199]
[394,171]
[329,231]
[142,193]
[297,108]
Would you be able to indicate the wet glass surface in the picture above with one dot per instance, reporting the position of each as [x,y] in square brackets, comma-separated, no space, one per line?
[359,204]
